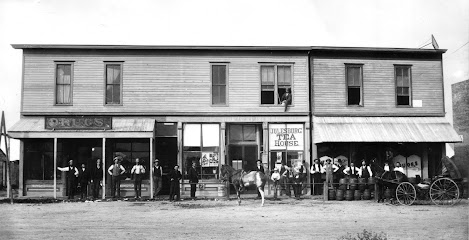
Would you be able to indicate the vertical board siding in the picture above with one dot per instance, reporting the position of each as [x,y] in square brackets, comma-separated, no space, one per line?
[330,93]
[155,83]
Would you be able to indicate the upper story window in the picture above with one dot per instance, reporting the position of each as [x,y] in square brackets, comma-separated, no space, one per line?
[403,85]
[219,80]
[275,80]
[63,84]
[113,83]
[354,77]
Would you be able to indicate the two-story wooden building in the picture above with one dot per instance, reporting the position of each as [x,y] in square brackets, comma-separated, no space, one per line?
[222,105]
[378,105]
[179,104]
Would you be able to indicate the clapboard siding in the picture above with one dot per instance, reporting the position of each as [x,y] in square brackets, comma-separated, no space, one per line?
[330,93]
[157,83]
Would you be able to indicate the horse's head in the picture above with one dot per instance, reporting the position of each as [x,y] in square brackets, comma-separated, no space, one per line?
[224,173]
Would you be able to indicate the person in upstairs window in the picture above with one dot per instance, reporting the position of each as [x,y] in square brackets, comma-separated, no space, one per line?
[72,173]
[286,99]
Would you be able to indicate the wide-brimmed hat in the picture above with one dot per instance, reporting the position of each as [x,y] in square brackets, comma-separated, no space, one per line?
[156,160]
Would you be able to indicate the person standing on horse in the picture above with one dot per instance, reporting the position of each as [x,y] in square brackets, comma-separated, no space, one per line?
[259,168]
[365,171]
[329,169]
[316,170]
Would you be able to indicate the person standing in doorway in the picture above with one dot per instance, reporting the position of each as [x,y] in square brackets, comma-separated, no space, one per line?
[116,170]
[329,169]
[259,168]
[138,170]
[316,170]
[84,177]
[157,178]
[193,179]
[286,99]
[96,178]
[174,177]
[72,173]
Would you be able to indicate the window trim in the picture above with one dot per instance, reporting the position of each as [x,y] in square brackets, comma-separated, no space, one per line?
[362,96]
[276,96]
[72,75]
[409,66]
[226,64]
[121,63]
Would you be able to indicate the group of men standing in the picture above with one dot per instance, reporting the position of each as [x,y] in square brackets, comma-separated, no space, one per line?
[79,178]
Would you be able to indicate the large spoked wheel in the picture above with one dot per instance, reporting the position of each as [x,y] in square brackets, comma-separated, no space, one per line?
[406,193]
[444,191]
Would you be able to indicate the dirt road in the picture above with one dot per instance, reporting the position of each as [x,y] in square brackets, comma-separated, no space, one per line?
[209,219]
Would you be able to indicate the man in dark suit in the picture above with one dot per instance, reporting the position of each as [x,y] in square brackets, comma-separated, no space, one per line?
[174,177]
[84,177]
[286,99]
[259,168]
[96,178]
[193,179]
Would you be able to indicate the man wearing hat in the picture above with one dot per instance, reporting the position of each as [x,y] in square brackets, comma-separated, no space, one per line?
[157,178]
[116,170]
[329,169]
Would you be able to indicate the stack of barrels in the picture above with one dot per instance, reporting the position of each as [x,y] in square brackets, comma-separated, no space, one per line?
[353,189]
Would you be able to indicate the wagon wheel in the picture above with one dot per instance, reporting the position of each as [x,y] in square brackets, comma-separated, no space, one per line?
[444,191]
[406,193]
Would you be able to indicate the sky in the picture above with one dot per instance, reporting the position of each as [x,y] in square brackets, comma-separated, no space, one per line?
[358,23]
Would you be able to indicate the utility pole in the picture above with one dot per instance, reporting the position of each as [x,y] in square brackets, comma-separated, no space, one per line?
[3,134]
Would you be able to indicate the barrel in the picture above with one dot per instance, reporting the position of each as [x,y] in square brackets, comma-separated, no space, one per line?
[222,191]
[349,195]
[371,183]
[361,184]
[353,183]
[357,195]
[339,195]
[388,193]
[366,194]
[331,194]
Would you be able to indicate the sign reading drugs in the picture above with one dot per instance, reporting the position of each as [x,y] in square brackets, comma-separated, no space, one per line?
[286,136]
[78,123]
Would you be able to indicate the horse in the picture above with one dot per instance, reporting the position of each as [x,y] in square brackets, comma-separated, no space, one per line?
[241,179]
[389,179]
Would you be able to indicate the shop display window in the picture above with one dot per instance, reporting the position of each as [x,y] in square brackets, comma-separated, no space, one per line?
[129,150]
[39,159]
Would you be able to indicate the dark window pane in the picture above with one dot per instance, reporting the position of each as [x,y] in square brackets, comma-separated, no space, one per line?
[123,147]
[249,133]
[116,94]
[267,97]
[354,96]
[141,147]
[403,100]
[166,129]
[236,133]
[109,94]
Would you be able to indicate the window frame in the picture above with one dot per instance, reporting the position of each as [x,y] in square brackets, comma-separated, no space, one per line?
[106,64]
[226,64]
[277,102]
[56,63]
[409,67]
[362,100]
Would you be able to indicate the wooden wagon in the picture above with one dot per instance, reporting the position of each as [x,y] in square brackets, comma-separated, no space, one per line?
[441,190]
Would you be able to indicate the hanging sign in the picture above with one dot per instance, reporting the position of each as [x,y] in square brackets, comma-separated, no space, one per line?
[286,136]
[78,123]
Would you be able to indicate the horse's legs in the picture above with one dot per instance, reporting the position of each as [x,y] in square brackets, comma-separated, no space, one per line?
[238,194]
[262,195]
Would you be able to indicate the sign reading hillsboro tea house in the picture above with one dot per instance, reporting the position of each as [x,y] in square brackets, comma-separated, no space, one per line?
[78,123]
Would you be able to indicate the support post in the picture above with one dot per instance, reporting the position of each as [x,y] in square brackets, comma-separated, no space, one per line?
[151,169]
[55,168]
[104,169]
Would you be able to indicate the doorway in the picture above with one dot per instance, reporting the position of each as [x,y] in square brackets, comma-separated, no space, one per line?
[166,152]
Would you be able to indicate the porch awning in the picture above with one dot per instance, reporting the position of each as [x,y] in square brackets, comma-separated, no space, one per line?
[34,127]
[383,129]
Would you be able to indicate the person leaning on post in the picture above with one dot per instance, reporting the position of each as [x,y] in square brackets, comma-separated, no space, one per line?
[157,178]
[116,170]
[72,173]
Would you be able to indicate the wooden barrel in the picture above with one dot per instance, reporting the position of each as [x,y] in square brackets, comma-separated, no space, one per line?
[367,194]
[349,195]
[331,194]
[371,183]
[388,193]
[353,183]
[339,195]
[361,184]
[357,195]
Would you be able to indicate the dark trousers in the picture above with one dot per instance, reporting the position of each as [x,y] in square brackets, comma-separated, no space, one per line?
[84,190]
[193,189]
[95,188]
[70,188]
[115,186]
[317,182]
[158,184]
[138,185]
[285,185]
[174,190]
[297,189]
